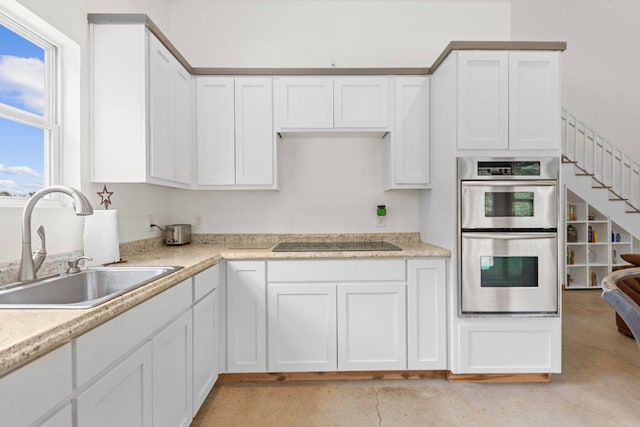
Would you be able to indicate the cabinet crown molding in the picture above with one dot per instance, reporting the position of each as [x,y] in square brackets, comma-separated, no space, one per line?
[141,18]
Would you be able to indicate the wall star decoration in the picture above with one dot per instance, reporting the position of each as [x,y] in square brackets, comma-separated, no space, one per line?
[105,197]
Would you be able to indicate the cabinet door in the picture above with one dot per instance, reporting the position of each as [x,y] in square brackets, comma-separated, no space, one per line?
[205,348]
[119,103]
[161,160]
[172,374]
[254,131]
[361,102]
[410,139]
[526,345]
[302,327]
[372,326]
[33,390]
[216,131]
[246,317]
[483,100]
[426,314]
[534,100]
[62,418]
[304,103]
[121,397]
[183,123]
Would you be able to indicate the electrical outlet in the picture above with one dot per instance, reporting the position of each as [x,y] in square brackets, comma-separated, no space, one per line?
[381,221]
[197,221]
[151,219]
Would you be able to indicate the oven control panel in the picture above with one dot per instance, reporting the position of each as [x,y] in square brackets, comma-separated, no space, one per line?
[508,168]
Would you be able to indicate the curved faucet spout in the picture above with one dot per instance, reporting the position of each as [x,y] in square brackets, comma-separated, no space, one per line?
[81,206]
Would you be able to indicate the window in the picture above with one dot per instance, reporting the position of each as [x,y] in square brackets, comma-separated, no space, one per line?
[28,118]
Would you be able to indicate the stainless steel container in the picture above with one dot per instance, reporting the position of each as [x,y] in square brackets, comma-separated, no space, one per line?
[178,234]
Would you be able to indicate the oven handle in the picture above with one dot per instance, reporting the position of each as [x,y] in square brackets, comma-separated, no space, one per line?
[521,183]
[508,236]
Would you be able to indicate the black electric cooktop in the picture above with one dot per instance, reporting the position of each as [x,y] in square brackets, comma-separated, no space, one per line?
[334,246]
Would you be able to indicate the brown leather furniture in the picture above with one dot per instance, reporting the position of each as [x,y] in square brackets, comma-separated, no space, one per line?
[630,287]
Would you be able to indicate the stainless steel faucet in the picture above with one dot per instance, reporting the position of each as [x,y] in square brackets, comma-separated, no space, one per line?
[30,263]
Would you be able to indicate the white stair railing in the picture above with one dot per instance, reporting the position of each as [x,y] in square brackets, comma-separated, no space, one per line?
[596,157]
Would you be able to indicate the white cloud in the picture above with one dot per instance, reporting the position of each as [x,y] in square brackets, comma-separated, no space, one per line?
[22,79]
[18,170]
[7,183]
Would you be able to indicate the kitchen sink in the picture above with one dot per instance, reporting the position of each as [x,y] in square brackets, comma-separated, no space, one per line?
[89,288]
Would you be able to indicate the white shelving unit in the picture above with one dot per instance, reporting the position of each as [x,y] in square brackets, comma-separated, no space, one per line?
[598,246]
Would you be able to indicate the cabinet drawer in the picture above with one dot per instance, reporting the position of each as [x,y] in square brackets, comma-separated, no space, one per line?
[336,271]
[205,282]
[36,388]
[104,345]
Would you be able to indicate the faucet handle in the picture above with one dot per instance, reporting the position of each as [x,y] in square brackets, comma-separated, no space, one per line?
[72,264]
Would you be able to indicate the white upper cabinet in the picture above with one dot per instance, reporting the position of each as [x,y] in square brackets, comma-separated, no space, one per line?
[361,102]
[534,100]
[483,97]
[184,128]
[142,109]
[323,103]
[160,111]
[235,139]
[409,139]
[171,116]
[508,100]
[216,131]
[304,102]
[254,131]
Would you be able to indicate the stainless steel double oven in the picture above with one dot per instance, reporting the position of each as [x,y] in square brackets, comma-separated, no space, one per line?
[508,236]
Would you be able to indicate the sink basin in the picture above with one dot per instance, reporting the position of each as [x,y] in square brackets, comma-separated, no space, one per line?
[89,288]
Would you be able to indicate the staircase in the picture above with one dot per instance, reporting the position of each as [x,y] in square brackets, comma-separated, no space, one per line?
[600,173]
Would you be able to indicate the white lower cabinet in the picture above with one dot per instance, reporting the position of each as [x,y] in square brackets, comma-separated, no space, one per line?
[121,397]
[246,317]
[36,389]
[205,347]
[172,374]
[372,326]
[426,314]
[138,370]
[329,315]
[521,345]
[62,418]
[302,327]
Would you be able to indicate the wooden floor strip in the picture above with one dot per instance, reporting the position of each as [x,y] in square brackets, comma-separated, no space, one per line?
[385,375]
[332,376]
[499,378]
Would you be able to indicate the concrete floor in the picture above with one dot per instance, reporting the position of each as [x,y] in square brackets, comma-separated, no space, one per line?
[599,386]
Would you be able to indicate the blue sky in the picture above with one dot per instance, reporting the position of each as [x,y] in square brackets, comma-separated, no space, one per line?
[21,86]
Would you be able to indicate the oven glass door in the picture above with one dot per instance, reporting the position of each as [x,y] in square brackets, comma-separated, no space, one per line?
[500,204]
[509,273]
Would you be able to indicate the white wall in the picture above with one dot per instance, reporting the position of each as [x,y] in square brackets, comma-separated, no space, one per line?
[135,202]
[262,34]
[327,185]
[600,65]
[347,33]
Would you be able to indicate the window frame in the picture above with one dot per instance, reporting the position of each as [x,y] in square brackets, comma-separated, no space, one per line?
[51,118]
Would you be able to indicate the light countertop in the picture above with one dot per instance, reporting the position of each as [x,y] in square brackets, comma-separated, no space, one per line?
[28,334]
